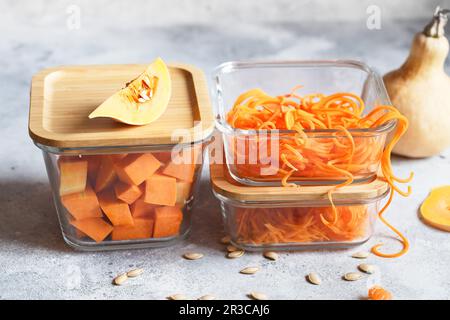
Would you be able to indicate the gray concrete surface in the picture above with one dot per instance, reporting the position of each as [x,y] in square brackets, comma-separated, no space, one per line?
[34,261]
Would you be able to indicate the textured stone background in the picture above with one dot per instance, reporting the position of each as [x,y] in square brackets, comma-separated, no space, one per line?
[34,261]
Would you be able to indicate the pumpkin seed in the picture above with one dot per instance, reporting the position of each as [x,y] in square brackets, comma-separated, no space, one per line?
[120,279]
[207,297]
[225,240]
[193,256]
[352,276]
[231,248]
[361,255]
[271,255]
[258,296]
[314,278]
[249,270]
[235,254]
[135,272]
[367,268]
[177,296]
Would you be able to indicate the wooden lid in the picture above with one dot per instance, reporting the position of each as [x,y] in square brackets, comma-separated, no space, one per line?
[224,185]
[63,97]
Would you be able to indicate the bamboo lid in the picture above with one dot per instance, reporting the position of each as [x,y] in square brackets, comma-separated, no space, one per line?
[63,97]
[224,185]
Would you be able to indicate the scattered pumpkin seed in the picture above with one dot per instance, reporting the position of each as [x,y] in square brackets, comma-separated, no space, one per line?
[258,296]
[120,279]
[135,272]
[231,248]
[207,297]
[177,296]
[361,255]
[225,240]
[352,276]
[249,270]
[271,255]
[235,254]
[314,278]
[367,268]
[193,256]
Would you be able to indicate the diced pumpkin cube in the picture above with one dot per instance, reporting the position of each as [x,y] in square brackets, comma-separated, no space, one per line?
[163,156]
[161,190]
[128,193]
[118,156]
[136,168]
[142,229]
[167,221]
[106,174]
[95,228]
[180,171]
[82,205]
[73,175]
[183,192]
[117,211]
[141,209]
[93,167]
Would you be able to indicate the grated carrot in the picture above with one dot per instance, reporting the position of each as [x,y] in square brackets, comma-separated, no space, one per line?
[344,154]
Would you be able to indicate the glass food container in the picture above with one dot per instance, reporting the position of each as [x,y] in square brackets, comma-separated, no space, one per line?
[253,157]
[117,186]
[261,218]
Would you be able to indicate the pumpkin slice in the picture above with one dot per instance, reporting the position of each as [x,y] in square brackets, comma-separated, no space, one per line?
[143,100]
[435,210]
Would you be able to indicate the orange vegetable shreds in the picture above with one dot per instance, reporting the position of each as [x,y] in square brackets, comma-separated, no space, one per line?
[183,192]
[167,222]
[142,229]
[80,234]
[73,175]
[161,190]
[128,193]
[379,293]
[141,209]
[301,225]
[106,174]
[95,228]
[137,167]
[117,211]
[343,154]
[82,205]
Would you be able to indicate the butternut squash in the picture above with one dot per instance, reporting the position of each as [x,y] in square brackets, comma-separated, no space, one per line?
[435,210]
[420,90]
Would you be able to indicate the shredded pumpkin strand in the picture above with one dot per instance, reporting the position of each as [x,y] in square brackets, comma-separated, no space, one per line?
[344,155]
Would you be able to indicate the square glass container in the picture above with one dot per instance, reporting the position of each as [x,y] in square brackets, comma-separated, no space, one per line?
[117,186]
[261,218]
[253,157]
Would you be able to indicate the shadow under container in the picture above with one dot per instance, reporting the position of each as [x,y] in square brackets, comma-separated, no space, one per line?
[254,157]
[117,186]
[263,218]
